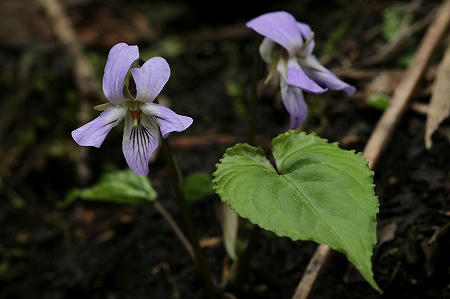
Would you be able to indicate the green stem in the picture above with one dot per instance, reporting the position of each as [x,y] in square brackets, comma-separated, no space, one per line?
[177,179]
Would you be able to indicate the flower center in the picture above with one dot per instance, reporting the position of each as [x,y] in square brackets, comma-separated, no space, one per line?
[135,115]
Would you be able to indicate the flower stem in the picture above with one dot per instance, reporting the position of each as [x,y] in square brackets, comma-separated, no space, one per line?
[177,180]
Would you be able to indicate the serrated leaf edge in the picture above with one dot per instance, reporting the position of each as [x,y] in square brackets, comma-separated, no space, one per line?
[230,151]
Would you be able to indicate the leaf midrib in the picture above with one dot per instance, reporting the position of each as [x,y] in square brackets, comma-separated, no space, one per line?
[299,192]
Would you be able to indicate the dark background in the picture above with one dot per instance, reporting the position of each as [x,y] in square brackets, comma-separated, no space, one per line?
[96,250]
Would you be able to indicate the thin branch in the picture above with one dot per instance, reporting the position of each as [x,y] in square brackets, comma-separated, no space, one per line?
[177,180]
[386,126]
[312,272]
[402,94]
[230,32]
[82,70]
[66,35]
[176,229]
[404,33]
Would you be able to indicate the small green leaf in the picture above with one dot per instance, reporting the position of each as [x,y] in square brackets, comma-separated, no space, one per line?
[379,101]
[317,192]
[122,186]
[234,90]
[197,185]
[393,17]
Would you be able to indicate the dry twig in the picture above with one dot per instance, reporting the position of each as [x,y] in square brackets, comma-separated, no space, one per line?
[439,108]
[404,33]
[388,122]
[83,72]
[65,33]
[176,229]
[386,127]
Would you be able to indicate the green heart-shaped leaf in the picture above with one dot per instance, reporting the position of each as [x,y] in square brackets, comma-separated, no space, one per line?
[318,192]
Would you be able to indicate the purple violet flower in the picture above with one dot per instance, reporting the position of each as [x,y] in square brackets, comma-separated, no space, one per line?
[143,118]
[298,67]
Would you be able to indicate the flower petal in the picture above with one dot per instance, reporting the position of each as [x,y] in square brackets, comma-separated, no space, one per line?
[295,76]
[139,143]
[150,78]
[265,49]
[281,27]
[167,120]
[94,132]
[306,33]
[120,58]
[321,75]
[294,102]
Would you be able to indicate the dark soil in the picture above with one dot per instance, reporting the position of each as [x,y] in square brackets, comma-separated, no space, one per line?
[97,250]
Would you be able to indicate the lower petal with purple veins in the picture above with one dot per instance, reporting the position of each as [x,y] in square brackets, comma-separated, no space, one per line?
[139,142]
[324,77]
[94,132]
[294,102]
[167,120]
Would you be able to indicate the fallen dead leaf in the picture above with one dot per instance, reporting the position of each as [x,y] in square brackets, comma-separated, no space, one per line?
[210,242]
[387,233]
[439,108]
[105,236]
[445,213]
[349,139]
[23,237]
[126,218]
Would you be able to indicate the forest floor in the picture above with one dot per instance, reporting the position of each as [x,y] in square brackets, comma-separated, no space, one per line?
[98,250]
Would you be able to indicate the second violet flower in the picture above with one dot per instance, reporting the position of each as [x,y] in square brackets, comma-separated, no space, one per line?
[143,119]
[298,67]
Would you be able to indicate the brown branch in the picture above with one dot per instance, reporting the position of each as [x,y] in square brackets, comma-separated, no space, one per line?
[66,35]
[420,108]
[386,127]
[404,33]
[402,94]
[439,108]
[176,229]
[312,272]
[82,70]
